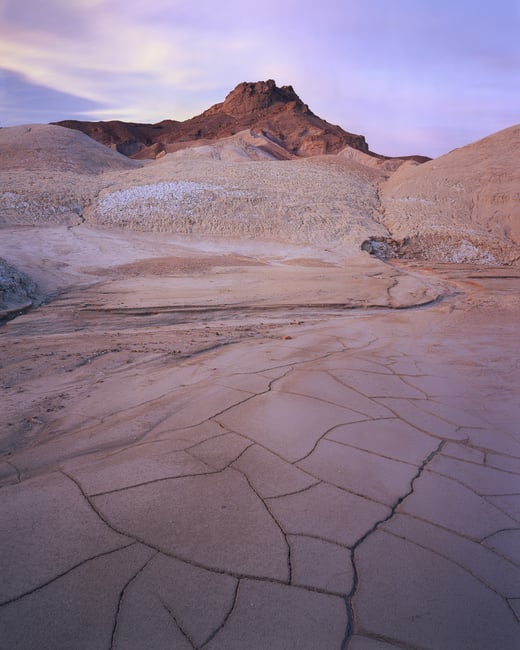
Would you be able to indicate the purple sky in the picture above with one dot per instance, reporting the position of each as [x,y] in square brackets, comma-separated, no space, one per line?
[413,76]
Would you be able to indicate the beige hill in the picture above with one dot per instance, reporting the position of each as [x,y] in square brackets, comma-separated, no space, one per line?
[49,175]
[462,206]
[324,200]
[237,186]
[246,145]
[46,147]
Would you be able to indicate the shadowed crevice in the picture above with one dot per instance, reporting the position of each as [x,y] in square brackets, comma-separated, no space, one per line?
[66,572]
[121,597]
[350,631]
[226,617]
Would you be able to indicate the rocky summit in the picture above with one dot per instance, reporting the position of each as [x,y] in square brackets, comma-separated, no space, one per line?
[275,113]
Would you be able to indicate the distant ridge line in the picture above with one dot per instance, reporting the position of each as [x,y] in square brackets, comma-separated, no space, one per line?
[263,108]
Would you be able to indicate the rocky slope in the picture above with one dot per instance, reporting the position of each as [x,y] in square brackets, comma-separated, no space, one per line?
[461,207]
[49,174]
[277,114]
[17,291]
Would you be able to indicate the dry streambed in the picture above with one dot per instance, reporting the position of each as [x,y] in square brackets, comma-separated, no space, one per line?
[115,301]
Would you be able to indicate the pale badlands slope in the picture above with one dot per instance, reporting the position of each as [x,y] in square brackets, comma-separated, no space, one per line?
[238,187]
[49,175]
[461,207]
[464,205]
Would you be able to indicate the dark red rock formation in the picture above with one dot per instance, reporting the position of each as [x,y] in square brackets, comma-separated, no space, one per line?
[263,107]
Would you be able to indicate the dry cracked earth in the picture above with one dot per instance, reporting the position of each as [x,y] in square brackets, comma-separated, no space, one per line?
[197,468]
[272,442]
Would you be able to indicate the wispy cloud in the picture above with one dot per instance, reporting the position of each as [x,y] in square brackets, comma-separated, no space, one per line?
[359,63]
[122,54]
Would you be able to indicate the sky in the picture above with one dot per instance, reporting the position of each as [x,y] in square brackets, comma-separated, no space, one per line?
[413,76]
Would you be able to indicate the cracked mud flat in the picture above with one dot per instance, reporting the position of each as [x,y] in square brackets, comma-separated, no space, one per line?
[221,446]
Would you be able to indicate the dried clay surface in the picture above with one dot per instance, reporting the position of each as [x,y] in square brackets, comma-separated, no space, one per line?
[267,442]
[211,448]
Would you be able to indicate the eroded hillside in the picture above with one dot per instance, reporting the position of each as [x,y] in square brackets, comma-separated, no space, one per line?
[462,207]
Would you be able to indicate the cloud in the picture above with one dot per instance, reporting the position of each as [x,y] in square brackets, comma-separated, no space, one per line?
[25,102]
[358,63]
[130,57]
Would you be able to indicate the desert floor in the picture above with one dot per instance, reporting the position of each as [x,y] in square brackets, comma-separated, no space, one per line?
[218,444]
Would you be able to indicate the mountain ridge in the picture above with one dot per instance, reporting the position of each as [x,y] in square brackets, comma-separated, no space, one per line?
[276,113]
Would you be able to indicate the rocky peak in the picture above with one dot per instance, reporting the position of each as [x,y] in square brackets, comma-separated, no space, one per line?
[256,97]
[263,107]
